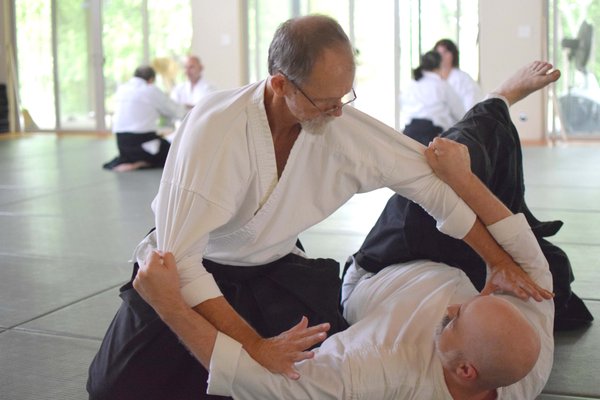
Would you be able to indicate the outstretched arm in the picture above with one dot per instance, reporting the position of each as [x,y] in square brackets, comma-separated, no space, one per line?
[451,162]
[157,282]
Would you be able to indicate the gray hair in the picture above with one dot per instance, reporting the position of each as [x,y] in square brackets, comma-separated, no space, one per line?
[298,43]
[145,72]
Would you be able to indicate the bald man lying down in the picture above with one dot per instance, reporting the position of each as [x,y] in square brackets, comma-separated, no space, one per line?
[418,330]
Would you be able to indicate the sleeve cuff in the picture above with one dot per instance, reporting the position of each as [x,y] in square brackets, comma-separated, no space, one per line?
[223,365]
[459,222]
[200,290]
[515,236]
[506,229]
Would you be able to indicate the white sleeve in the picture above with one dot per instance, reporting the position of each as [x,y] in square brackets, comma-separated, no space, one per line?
[184,220]
[234,373]
[192,200]
[399,163]
[166,106]
[515,236]
[416,181]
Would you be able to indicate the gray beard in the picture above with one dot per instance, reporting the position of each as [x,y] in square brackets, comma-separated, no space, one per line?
[316,126]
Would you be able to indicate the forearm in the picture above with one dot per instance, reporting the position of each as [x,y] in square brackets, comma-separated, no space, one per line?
[485,245]
[489,211]
[197,328]
[225,319]
[482,201]
[196,333]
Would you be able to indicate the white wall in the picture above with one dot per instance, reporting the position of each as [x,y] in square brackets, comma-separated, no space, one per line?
[219,40]
[513,33]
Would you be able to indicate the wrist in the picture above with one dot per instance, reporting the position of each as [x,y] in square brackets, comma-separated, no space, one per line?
[171,309]
[464,183]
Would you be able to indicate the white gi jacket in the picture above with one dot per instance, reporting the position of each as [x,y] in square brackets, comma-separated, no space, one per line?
[431,98]
[220,197]
[388,352]
[186,94]
[467,89]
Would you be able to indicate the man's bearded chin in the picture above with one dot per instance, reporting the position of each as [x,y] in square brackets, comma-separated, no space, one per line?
[317,126]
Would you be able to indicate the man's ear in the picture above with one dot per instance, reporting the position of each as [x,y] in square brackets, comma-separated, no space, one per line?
[467,371]
[278,82]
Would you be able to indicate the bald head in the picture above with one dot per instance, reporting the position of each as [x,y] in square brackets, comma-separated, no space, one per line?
[193,68]
[495,338]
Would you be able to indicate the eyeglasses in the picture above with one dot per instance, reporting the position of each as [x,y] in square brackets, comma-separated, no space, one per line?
[344,100]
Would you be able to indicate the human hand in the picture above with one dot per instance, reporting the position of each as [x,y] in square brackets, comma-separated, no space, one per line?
[278,354]
[509,277]
[157,281]
[450,161]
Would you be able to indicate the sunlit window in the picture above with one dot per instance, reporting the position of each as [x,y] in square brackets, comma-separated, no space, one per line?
[71,59]
[575,106]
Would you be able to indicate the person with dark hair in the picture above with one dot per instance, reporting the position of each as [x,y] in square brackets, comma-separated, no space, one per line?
[467,89]
[139,104]
[248,171]
[429,105]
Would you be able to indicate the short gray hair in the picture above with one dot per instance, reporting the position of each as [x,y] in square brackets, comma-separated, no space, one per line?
[298,43]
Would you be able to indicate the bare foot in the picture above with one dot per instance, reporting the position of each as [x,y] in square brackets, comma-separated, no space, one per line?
[130,166]
[527,80]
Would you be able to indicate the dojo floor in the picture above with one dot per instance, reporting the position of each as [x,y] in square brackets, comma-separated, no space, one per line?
[67,229]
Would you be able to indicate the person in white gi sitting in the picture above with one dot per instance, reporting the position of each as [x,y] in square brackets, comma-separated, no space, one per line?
[139,104]
[191,91]
[248,171]
[419,330]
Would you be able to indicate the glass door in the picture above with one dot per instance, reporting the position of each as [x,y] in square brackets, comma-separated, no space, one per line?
[576,99]
[72,55]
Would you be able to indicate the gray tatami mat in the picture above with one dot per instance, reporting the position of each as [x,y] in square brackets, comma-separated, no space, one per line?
[36,366]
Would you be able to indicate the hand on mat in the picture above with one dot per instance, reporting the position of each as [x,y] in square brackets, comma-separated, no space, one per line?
[278,354]
[511,278]
[158,282]
[450,161]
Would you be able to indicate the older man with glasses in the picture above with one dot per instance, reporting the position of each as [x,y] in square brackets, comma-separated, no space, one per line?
[248,171]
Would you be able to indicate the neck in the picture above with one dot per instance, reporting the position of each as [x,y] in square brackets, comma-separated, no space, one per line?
[445,71]
[284,127]
[281,121]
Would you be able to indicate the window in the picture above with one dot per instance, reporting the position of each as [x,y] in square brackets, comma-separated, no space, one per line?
[387,35]
[72,57]
[575,104]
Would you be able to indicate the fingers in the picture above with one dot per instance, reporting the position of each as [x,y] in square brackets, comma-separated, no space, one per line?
[489,288]
[292,374]
[169,260]
[520,286]
[300,325]
[309,341]
[303,338]
[430,156]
